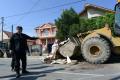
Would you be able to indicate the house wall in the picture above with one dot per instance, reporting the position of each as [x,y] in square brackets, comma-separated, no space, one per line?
[94,13]
[46,34]
[4,36]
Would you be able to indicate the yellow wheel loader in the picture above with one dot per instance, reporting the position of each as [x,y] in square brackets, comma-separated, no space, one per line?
[97,46]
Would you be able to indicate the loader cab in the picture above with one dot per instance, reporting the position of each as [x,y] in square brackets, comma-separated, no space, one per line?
[117,19]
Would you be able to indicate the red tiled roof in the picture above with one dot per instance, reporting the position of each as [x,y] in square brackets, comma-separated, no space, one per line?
[9,34]
[96,7]
[45,24]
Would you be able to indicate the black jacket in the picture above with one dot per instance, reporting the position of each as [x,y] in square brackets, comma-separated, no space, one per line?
[18,42]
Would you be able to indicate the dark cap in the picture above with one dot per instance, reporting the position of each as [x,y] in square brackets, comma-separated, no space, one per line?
[19,28]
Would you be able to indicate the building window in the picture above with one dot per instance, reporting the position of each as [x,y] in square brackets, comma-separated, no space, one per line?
[45,32]
[54,31]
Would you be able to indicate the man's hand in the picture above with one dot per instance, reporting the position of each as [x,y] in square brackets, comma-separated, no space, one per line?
[11,51]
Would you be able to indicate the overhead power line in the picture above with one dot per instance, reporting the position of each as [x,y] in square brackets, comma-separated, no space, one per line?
[44,9]
[34,5]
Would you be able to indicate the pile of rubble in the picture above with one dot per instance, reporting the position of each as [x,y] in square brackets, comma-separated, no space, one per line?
[66,48]
[59,61]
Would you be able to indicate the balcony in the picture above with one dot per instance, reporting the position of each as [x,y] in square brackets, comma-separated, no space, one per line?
[47,36]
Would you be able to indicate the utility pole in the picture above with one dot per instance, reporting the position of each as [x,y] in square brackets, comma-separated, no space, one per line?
[12,30]
[2,27]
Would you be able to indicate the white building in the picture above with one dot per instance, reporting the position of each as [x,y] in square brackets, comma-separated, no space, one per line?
[6,35]
[91,10]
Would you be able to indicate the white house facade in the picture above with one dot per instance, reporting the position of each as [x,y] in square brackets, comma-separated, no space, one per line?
[91,11]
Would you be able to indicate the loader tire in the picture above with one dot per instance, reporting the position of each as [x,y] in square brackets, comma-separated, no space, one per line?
[96,50]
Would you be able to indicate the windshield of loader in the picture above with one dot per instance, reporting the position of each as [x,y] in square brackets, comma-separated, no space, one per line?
[117,18]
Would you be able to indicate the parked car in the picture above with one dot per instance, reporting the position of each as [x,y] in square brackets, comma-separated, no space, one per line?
[35,50]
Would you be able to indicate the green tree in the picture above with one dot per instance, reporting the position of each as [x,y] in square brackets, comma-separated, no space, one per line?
[63,23]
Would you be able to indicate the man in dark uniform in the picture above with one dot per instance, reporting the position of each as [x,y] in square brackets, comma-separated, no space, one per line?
[18,46]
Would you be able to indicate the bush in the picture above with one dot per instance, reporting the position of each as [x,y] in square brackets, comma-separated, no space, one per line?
[92,24]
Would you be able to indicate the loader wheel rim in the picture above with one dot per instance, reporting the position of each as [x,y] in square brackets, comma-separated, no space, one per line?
[95,51]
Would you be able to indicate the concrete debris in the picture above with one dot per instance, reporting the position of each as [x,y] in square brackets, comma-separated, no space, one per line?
[68,60]
[73,62]
[59,61]
[50,60]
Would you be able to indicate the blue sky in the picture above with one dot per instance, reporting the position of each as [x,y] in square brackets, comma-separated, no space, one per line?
[30,21]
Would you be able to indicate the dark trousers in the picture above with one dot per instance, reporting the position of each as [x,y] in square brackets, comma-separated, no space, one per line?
[20,56]
[13,63]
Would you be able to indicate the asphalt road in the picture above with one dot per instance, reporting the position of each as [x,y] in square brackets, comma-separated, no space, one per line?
[81,71]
